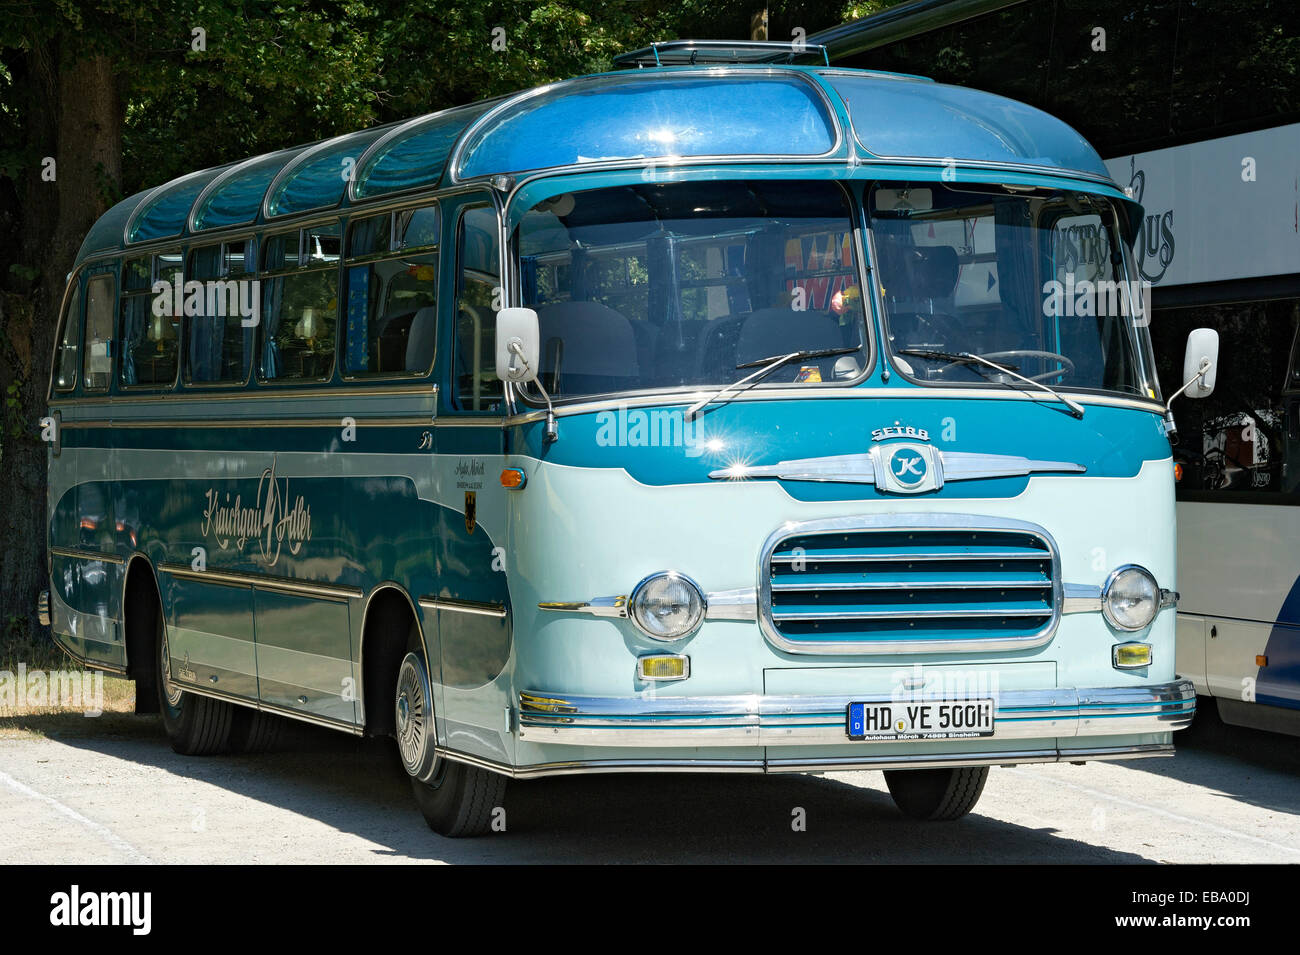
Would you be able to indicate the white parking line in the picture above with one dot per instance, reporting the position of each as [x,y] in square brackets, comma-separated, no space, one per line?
[1132,804]
[100,830]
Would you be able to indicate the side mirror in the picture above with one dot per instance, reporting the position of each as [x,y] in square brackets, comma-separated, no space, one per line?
[519,345]
[1202,347]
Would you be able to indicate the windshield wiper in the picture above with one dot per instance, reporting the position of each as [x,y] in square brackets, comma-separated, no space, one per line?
[1076,409]
[768,365]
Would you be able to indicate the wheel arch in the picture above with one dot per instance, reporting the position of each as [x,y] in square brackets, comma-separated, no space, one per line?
[382,647]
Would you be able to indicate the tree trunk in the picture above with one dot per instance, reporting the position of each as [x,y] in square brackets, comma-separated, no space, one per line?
[74,114]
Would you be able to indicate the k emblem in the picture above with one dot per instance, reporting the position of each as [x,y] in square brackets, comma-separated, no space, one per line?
[471,511]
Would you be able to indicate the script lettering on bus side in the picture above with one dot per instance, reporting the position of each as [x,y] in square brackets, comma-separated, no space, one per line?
[271,520]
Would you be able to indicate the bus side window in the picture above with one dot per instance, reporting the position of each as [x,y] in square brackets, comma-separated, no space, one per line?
[477,299]
[150,342]
[218,340]
[69,360]
[98,369]
[300,306]
[392,294]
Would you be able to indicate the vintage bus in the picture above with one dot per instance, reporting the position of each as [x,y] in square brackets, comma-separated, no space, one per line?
[724,412]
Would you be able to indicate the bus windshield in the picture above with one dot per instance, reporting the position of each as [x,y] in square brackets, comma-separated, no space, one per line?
[1036,283]
[662,286]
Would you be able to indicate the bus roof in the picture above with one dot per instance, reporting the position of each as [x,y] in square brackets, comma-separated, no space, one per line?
[678,114]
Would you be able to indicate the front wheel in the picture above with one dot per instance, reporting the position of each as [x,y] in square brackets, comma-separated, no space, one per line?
[195,725]
[936,794]
[455,799]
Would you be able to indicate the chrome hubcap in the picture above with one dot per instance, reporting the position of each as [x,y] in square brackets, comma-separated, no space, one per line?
[170,690]
[414,717]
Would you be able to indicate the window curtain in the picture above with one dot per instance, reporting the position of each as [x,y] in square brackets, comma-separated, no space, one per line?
[137,311]
[1014,242]
[358,322]
[272,301]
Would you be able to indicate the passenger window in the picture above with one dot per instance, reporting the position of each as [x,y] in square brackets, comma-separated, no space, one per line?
[477,300]
[300,305]
[219,331]
[69,360]
[392,300]
[150,325]
[99,333]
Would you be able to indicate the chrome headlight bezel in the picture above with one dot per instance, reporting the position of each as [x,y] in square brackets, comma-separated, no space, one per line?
[699,606]
[1107,592]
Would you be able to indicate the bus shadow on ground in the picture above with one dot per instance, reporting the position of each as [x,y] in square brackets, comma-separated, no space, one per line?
[358,787]
[1251,766]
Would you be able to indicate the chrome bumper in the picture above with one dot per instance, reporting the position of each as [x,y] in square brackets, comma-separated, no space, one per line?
[757,720]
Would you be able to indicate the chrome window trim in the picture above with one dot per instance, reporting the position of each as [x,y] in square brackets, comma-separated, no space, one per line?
[887,522]
[688,396]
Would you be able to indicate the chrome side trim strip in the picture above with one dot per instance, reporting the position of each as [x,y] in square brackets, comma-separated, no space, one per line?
[756,720]
[456,605]
[830,764]
[1080,598]
[86,555]
[243,397]
[286,585]
[739,604]
[596,606]
[298,715]
[414,421]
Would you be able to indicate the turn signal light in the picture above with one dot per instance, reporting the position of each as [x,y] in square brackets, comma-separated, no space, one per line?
[1261,660]
[512,479]
[665,667]
[1131,656]
[1178,472]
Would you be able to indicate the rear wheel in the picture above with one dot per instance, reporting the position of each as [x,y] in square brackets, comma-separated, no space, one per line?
[936,794]
[252,731]
[196,725]
[455,799]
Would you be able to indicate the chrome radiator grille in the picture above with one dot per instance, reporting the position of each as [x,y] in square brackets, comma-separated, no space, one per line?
[928,582]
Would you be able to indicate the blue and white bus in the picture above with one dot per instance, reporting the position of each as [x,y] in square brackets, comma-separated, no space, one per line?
[706,415]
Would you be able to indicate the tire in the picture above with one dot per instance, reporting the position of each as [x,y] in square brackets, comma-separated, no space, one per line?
[936,794]
[456,800]
[196,725]
[252,731]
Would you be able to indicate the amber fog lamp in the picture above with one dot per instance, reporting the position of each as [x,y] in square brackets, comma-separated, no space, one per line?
[1131,656]
[663,667]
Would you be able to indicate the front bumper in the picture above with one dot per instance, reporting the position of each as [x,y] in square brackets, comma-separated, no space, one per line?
[758,720]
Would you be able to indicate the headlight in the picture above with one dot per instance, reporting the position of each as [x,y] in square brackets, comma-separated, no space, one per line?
[667,606]
[1130,599]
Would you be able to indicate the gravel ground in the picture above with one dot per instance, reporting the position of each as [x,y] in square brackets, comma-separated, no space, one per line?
[111,790]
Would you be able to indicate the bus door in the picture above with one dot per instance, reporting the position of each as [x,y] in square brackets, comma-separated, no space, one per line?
[469,600]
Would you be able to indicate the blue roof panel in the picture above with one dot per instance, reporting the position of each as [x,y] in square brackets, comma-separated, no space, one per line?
[167,210]
[899,118]
[318,178]
[236,198]
[651,115]
[415,154]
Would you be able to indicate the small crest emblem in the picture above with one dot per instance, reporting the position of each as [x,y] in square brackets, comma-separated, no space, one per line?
[471,511]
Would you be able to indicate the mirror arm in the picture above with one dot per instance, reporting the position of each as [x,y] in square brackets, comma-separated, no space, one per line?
[516,350]
[1205,366]
[1171,429]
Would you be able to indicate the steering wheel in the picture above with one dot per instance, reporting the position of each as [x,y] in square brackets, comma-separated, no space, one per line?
[1025,353]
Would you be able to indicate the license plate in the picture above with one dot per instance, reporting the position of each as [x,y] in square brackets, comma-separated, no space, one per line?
[921,719]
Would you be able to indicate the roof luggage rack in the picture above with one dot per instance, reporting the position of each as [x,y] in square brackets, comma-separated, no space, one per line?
[710,52]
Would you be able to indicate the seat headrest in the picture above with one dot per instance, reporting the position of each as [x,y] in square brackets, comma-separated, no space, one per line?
[597,339]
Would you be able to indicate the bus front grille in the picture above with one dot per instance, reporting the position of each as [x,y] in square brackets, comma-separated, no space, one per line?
[903,584]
